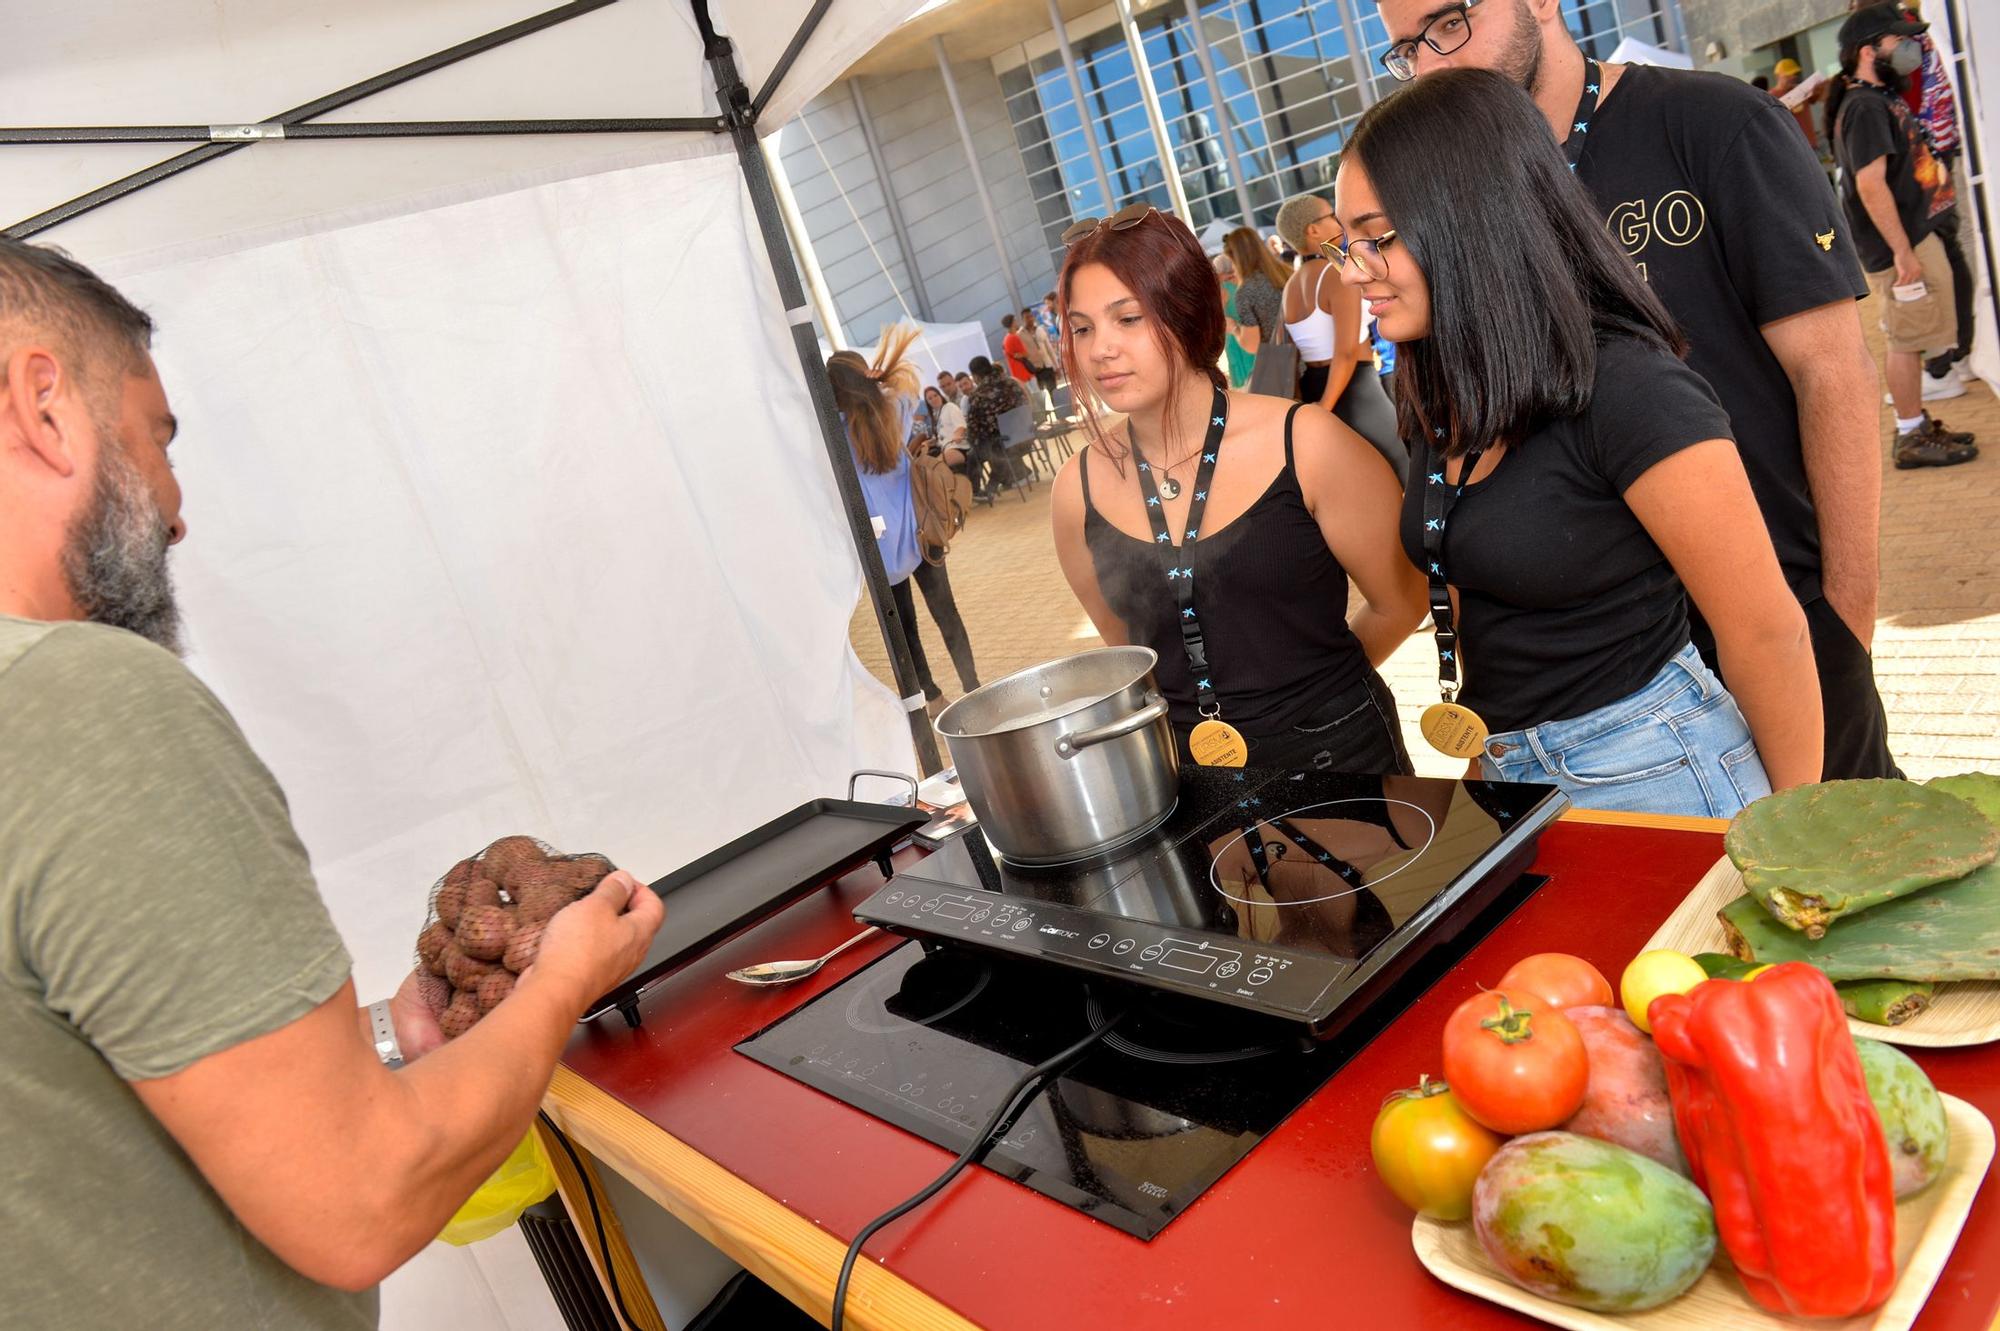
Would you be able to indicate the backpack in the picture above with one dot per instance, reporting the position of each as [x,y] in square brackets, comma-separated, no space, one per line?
[943,500]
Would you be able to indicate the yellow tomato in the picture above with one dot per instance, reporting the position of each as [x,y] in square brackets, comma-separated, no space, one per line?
[1661,971]
[1430,1151]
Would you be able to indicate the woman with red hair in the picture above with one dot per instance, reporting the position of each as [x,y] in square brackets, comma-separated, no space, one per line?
[1220,528]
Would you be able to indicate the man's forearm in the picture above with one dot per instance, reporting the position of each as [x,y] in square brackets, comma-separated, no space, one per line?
[1881,208]
[1837,434]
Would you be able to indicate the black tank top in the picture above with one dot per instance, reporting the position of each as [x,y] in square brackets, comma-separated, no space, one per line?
[1272,600]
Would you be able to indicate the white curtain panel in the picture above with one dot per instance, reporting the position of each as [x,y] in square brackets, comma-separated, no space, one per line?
[512,516]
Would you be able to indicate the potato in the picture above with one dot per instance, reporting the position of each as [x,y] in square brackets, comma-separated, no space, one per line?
[464,972]
[436,992]
[521,949]
[483,932]
[449,903]
[460,1015]
[481,892]
[493,989]
[501,860]
[430,947]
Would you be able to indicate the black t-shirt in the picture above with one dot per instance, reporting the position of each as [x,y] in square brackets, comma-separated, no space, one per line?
[1712,190]
[1565,603]
[1875,124]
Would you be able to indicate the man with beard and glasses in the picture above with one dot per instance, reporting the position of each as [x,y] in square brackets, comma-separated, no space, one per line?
[1706,184]
[203,1130]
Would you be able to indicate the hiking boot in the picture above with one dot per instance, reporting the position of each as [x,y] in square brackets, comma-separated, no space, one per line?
[1931,445]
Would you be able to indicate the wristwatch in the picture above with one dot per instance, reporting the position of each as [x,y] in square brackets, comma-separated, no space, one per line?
[386,1047]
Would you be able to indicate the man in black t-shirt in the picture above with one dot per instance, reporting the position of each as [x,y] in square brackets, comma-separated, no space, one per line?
[1708,185]
[1897,197]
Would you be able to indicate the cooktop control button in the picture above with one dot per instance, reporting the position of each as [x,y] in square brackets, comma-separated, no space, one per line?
[1023,924]
[1226,969]
[1152,953]
[1261,974]
[1099,940]
[1126,945]
[892,898]
[932,904]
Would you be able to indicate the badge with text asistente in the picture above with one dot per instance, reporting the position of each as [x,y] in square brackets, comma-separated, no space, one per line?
[1213,741]
[1448,726]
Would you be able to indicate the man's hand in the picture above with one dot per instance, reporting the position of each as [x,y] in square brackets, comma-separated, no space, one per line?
[416,1025]
[593,943]
[1908,269]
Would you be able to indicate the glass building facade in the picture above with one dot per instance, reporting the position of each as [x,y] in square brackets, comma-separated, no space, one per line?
[1294,75]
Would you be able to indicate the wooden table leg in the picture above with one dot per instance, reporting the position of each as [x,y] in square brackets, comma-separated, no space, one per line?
[570,1186]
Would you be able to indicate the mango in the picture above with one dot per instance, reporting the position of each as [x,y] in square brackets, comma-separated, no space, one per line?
[1591,1224]
[1912,1115]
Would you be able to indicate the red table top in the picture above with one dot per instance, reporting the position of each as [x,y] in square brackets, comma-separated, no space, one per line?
[1299,1230]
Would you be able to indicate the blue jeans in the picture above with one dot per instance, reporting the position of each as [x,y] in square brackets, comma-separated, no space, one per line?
[1678,745]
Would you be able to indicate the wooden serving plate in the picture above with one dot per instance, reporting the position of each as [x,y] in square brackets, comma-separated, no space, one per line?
[1927,1226]
[1962,1012]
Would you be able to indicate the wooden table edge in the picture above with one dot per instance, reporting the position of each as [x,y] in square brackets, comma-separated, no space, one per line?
[778,1245]
[775,1243]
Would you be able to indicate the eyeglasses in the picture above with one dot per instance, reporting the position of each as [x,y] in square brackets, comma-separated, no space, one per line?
[1123,220]
[1444,34]
[1365,251]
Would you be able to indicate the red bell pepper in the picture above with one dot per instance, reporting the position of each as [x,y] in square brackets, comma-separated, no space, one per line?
[1773,1112]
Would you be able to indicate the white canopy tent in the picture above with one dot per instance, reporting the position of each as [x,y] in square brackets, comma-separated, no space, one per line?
[510,503]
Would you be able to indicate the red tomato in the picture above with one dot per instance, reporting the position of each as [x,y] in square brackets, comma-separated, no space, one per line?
[1515,1063]
[1430,1151]
[1560,980]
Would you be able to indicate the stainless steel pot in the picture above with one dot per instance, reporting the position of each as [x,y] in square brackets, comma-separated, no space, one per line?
[1067,758]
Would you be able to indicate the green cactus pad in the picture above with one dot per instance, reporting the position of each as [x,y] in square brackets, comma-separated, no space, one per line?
[1979,789]
[1815,854]
[1948,932]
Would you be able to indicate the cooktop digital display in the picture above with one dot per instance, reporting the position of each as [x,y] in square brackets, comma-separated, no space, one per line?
[1289,893]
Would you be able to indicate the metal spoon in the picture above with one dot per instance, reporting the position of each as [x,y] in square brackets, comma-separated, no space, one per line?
[769,973]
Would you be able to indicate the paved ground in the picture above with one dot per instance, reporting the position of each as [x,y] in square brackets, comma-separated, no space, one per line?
[1937,644]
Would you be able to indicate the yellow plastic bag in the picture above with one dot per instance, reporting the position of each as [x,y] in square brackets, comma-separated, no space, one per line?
[524,1178]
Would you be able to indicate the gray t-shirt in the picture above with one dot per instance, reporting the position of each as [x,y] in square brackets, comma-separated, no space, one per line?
[155,907]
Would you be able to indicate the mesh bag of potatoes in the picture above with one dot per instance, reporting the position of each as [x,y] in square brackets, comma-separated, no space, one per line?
[486,920]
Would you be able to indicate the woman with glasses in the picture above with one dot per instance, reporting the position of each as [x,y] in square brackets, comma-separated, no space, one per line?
[1220,528]
[1325,321]
[1572,481]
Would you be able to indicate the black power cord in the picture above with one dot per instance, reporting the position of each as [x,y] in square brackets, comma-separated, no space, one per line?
[1017,1098]
[596,1216]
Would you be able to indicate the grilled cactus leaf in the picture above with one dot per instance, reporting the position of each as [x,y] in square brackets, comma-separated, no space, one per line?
[1816,854]
[1885,1002]
[1947,932]
[1979,789]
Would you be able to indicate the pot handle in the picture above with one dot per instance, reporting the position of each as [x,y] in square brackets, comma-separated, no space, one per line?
[1068,745]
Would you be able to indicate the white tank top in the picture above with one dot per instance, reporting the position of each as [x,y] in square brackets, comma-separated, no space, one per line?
[1313,335]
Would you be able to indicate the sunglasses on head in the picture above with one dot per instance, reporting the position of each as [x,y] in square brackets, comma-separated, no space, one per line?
[1123,220]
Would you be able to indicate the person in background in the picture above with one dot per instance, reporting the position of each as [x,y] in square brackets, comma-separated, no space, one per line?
[876,399]
[1734,226]
[1761,83]
[200,1130]
[1041,354]
[1265,506]
[1237,360]
[1051,324]
[950,431]
[1323,317]
[993,393]
[1260,279]
[966,385]
[1574,651]
[1897,196]
[1015,350]
[947,385]
[1789,74]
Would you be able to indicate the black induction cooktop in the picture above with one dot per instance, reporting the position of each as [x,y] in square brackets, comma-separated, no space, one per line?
[1299,895]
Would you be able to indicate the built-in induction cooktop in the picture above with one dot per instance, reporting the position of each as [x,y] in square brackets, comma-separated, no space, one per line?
[1299,895]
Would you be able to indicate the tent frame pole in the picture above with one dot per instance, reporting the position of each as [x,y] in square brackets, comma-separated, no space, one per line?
[741,116]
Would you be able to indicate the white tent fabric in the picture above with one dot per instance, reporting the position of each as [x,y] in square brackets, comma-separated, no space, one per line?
[508,508]
[1631,51]
[947,347]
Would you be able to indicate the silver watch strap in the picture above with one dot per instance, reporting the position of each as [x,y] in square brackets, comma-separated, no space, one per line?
[386,1047]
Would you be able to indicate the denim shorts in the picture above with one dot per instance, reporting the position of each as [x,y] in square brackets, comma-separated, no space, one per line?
[1678,745]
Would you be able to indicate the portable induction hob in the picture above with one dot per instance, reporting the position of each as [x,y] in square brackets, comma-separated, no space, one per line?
[1300,895]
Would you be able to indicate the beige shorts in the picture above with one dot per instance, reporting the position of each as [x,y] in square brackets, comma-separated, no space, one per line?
[1925,325]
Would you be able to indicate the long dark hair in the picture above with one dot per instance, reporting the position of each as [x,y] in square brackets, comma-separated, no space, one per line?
[1162,264]
[1523,279]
